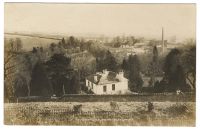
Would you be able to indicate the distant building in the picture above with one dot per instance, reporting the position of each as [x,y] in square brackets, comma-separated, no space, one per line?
[140,45]
[126,46]
[171,46]
[140,48]
[107,82]
[130,53]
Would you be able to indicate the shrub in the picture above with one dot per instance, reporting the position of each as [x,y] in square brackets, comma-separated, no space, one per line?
[159,87]
[77,108]
[114,106]
[150,106]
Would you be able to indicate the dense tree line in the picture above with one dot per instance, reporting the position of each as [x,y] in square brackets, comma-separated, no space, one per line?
[154,67]
[15,70]
[48,71]
[189,65]
[56,76]
[106,61]
[132,69]
[179,71]
[28,73]
[124,40]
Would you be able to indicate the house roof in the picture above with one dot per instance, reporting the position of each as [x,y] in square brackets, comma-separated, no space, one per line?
[91,78]
[111,77]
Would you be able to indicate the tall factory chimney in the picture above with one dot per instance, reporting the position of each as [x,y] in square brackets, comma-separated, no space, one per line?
[163,44]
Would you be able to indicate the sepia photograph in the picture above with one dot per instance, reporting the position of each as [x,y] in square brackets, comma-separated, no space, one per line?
[100,64]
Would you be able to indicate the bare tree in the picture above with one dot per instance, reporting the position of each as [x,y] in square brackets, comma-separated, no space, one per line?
[11,64]
[189,64]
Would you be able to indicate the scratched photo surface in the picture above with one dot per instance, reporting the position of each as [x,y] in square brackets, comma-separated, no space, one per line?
[100,64]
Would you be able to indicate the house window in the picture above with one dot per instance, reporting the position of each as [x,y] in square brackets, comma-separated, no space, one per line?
[92,85]
[88,83]
[113,86]
[104,88]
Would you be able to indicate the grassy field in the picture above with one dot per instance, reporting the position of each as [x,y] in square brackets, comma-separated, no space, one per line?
[30,42]
[100,113]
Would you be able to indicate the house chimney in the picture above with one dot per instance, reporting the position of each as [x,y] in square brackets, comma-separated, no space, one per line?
[121,73]
[95,78]
[121,76]
[105,71]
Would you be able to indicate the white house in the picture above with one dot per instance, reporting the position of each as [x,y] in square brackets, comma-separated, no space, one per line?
[107,82]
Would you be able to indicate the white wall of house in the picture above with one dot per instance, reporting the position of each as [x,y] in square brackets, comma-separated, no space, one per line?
[89,84]
[111,88]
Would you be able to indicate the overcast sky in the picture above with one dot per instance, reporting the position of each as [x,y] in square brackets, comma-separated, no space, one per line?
[109,19]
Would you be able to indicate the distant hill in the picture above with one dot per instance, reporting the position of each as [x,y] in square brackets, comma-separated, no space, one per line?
[33,40]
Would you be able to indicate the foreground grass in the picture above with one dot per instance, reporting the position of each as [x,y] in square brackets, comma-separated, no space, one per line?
[100,113]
